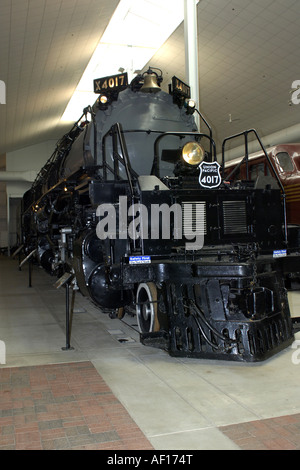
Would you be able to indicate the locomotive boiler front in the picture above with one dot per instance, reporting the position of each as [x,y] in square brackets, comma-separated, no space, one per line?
[132,203]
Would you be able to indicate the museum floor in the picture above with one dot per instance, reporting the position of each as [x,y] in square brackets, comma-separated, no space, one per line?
[111,392]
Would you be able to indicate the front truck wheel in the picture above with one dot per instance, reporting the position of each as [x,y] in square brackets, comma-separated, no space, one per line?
[146,307]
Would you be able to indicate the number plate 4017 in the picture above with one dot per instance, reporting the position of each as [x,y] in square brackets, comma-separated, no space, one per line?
[111,83]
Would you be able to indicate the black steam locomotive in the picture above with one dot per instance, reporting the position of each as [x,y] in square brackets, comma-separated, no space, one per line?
[133,204]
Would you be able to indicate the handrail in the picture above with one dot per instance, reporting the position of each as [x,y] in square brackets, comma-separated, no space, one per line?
[246,159]
[155,167]
[208,126]
[116,131]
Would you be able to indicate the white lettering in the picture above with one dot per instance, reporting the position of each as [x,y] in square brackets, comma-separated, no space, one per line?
[166,222]
[123,222]
[296,354]
[138,227]
[296,94]
[2,92]
[117,460]
[209,169]
[2,353]
[106,227]
[161,217]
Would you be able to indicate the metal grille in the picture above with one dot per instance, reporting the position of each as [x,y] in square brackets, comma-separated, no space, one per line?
[234,217]
[194,218]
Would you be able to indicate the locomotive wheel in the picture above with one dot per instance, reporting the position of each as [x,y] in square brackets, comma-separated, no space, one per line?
[146,307]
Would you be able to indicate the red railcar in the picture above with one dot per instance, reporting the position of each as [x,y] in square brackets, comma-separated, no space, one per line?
[285,159]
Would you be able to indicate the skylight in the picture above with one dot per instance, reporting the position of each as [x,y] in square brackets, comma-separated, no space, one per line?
[138,28]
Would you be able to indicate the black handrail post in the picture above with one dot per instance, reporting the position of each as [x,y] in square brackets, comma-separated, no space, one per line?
[210,132]
[246,154]
[29,273]
[125,156]
[67,316]
[68,329]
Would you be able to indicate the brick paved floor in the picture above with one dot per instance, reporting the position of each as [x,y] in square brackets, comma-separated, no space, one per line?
[63,406]
[280,433]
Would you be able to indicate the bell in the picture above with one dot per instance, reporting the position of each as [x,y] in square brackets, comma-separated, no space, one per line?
[150,84]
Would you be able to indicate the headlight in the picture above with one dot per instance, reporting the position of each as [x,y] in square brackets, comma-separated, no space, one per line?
[103,99]
[190,106]
[193,153]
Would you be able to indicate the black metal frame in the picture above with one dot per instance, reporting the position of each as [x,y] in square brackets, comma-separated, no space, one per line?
[210,331]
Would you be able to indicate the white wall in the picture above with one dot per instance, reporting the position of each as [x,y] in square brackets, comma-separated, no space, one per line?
[30,158]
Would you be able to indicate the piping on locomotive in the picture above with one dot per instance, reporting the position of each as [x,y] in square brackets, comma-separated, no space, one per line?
[132,203]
